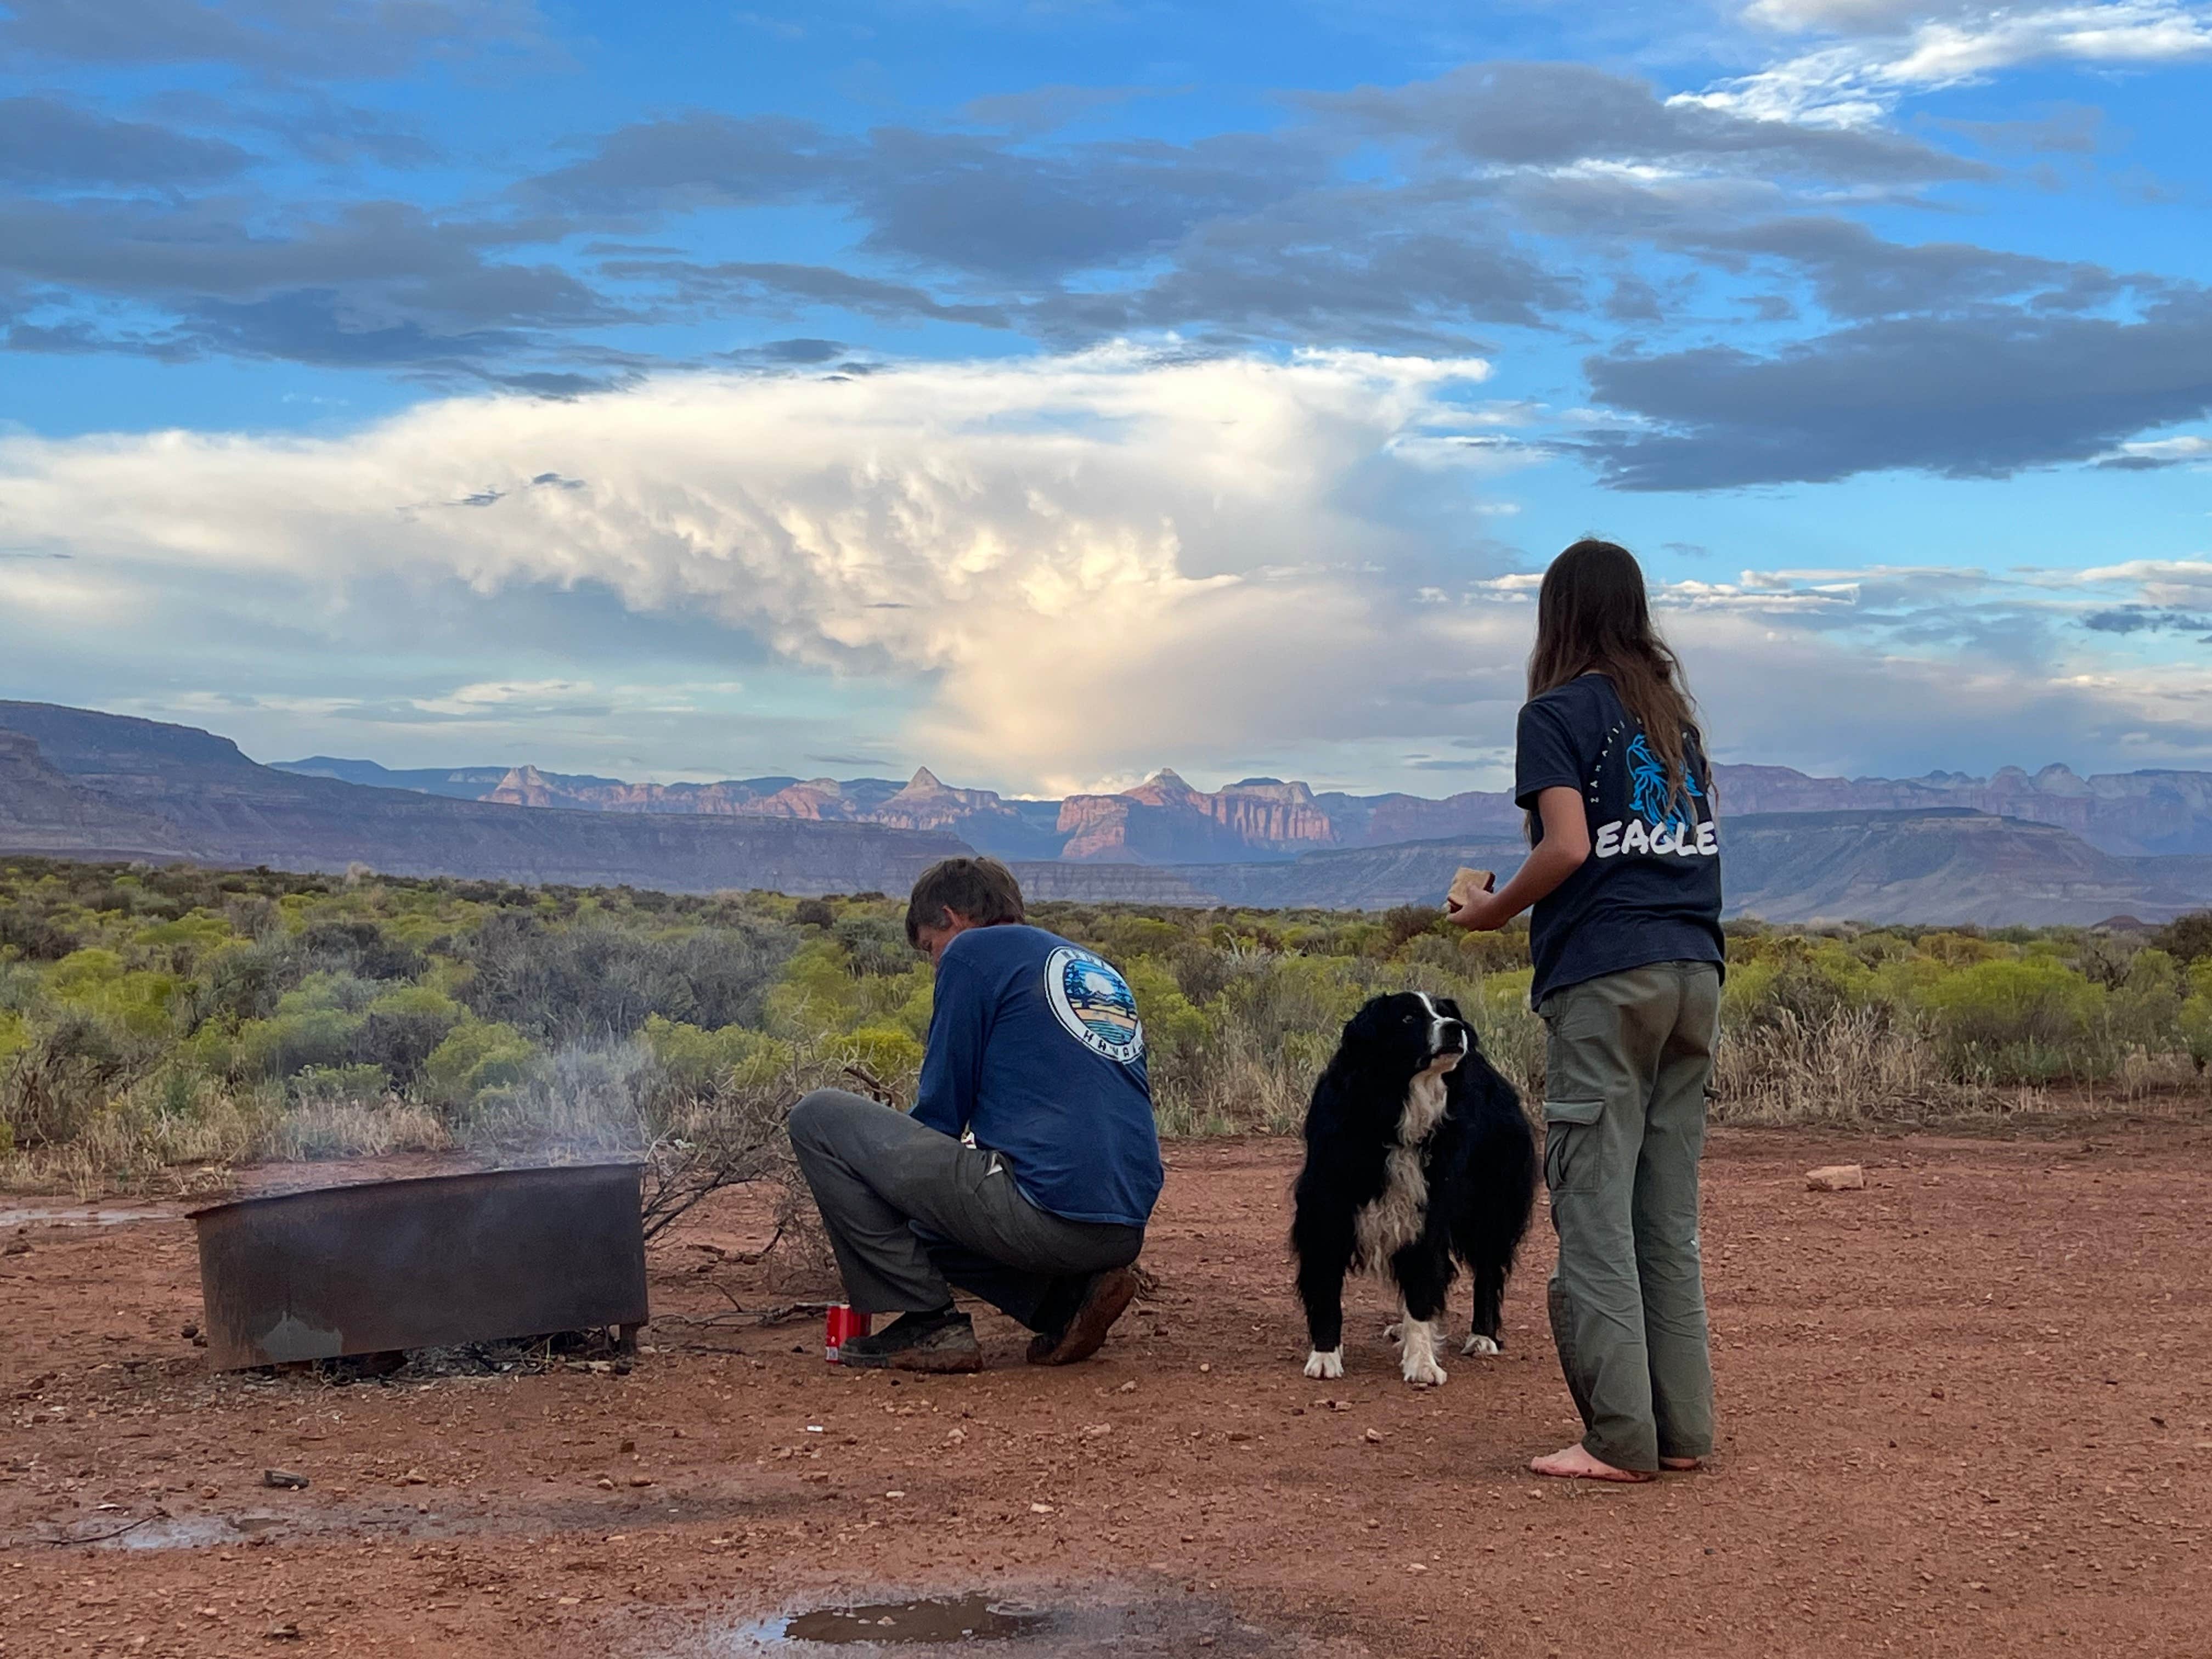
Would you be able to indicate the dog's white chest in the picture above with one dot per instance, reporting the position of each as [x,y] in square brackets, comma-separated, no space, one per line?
[1394,1220]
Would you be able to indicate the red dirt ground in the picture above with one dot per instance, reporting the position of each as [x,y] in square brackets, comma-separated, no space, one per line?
[1967,1411]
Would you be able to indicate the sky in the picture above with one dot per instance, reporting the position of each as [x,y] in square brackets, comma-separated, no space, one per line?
[1051,392]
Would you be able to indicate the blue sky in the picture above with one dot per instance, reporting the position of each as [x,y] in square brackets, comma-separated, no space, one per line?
[1050,392]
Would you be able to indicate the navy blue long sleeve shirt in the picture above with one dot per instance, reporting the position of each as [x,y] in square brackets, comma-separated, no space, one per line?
[1034,1046]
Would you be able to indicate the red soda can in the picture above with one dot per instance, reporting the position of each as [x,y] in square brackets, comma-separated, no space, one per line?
[843,1325]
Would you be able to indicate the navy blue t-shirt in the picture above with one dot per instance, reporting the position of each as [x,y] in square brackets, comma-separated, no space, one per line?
[1651,889]
[1035,1045]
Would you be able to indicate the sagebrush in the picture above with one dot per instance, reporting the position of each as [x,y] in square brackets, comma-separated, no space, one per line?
[171,1019]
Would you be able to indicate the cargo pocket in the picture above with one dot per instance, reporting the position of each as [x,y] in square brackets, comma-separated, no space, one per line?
[1570,1128]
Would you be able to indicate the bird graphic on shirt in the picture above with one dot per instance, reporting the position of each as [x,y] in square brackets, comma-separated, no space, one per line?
[1650,798]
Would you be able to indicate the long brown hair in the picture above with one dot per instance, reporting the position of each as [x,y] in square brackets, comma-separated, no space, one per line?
[1592,615]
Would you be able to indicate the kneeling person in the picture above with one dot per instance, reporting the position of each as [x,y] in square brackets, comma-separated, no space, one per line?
[1036,1051]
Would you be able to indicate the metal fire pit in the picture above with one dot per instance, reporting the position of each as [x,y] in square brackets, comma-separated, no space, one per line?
[422,1264]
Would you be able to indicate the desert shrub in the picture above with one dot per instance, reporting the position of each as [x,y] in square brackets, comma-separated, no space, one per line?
[1176,1028]
[473,1058]
[73,1064]
[402,1027]
[1201,971]
[36,935]
[1849,1065]
[182,943]
[592,981]
[289,1041]
[1805,982]
[334,1085]
[2143,1006]
[1409,921]
[244,982]
[2187,938]
[874,945]
[892,1056]
[151,1016]
[731,1056]
[819,994]
[358,948]
[2024,1020]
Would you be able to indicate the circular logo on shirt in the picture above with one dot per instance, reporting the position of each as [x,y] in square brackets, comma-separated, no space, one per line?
[1094,1003]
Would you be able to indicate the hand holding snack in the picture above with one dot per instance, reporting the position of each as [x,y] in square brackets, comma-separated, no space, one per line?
[1468,886]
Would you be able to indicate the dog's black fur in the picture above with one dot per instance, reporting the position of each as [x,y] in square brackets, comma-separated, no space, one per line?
[1478,1160]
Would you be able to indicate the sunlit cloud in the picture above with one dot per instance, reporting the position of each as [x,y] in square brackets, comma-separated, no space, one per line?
[1031,575]
[1892,48]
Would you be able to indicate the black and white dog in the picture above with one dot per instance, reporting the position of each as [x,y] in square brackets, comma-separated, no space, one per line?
[1417,1158]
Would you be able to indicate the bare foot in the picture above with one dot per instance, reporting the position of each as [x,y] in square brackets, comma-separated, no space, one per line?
[1679,1463]
[1574,1463]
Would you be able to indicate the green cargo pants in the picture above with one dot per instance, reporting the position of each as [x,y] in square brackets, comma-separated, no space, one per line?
[1627,1060]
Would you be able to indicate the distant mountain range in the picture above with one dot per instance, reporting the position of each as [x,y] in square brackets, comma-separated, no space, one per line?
[76,783]
[1165,820]
[2011,849]
[1945,865]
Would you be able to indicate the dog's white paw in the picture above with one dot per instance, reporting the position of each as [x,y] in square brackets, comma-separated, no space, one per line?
[1424,1373]
[1481,1344]
[1417,1362]
[1325,1367]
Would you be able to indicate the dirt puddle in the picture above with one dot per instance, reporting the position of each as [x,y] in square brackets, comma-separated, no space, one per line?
[1066,1623]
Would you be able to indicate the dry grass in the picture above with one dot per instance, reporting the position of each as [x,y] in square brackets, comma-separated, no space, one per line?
[1854,1066]
[1851,1067]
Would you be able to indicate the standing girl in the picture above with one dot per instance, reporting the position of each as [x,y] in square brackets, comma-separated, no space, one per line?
[1623,872]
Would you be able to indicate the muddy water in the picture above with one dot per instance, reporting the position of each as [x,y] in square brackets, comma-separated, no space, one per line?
[937,1620]
[1068,1624]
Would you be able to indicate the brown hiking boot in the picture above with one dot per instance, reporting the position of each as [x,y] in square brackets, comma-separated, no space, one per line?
[1103,1300]
[937,1342]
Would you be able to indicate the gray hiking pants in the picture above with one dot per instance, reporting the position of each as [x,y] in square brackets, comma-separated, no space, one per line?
[911,1213]
[1627,1060]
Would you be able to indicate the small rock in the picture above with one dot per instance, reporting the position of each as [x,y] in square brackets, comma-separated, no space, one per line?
[628,1446]
[284,1479]
[1836,1178]
[1129,1387]
[1374,1436]
[189,1332]
[285,1633]
[15,1246]
[604,1483]
[414,1477]
[1040,1508]
[641,1480]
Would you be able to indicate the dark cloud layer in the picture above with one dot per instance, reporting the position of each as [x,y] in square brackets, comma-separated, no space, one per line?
[1425,217]
[1979,395]
[45,144]
[350,39]
[1551,115]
